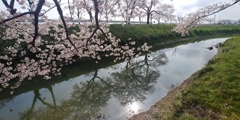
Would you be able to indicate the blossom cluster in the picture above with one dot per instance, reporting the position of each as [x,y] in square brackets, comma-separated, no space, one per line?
[193,19]
[53,47]
[41,49]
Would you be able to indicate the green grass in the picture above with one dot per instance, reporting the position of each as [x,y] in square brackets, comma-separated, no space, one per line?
[162,33]
[215,92]
[139,31]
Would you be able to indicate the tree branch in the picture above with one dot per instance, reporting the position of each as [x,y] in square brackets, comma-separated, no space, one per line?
[12,11]
[14,17]
[63,21]
[36,14]
[189,22]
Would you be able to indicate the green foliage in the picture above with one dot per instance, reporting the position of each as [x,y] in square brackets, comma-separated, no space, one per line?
[143,33]
[217,87]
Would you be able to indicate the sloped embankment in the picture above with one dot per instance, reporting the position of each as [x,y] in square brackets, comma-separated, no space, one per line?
[162,33]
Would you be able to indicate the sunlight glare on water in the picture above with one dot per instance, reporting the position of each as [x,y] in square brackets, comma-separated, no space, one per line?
[134,107]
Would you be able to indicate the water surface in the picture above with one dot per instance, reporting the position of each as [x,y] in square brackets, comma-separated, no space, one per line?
[115,92]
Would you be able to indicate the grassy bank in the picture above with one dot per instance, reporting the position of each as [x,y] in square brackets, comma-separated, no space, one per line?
[211,93]
[161,33]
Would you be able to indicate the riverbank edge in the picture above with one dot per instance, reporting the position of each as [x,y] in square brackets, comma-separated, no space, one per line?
[168,107]
[67,73]
[165,107]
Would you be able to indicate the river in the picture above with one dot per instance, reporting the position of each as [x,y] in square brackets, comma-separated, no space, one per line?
[115,92]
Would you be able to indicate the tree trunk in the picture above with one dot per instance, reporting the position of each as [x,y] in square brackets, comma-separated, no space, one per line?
[140,22]
[148,17]
[90,16]
[78,16]
[128,21]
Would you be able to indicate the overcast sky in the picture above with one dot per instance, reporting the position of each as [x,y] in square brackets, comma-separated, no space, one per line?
[187,6]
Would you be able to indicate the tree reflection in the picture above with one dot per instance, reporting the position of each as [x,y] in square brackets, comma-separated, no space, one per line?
[3,103]
[137,78]
[86,101]
[47,111]
[88,98]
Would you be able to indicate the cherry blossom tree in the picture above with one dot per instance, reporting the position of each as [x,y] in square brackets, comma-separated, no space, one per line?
[88,6]
[169,12]
[148,7]
[76,10]
[179,18]
[140,16]
[226,21]
[156,9]
[108,8]
[164,12]
[193,19]
[128,9]
[42,49]
[210,20]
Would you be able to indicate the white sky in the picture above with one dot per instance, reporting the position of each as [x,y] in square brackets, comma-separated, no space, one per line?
[187,6]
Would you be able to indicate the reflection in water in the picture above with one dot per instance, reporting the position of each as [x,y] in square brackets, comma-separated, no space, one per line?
[137,78]
[134,107]
[3,102]
[87,98]
[46,111]
[129,85]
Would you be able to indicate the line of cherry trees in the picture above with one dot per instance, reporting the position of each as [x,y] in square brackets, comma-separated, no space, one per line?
[126,10]
[41,49]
